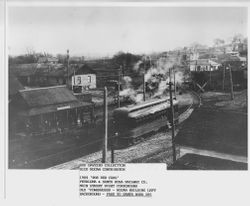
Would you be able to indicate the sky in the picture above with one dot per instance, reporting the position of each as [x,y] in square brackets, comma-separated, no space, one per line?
[101,31]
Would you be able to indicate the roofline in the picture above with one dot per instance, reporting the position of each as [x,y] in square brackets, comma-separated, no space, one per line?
[40,88]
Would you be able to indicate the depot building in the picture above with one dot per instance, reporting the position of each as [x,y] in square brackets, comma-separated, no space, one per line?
[49,108]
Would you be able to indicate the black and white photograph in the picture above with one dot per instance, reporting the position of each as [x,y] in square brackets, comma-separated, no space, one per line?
[127,84]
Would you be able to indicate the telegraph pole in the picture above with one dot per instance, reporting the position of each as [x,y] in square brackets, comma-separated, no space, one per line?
[231,83]
[210,76]
[67,68]
[105,120]
[223,78]
[74,80]
[174,84]
[119,85]
[144,86]
[172,117]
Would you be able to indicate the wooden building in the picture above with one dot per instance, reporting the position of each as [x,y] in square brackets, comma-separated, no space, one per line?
[50,109]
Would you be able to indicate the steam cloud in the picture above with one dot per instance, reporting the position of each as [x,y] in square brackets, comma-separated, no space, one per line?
[156,78]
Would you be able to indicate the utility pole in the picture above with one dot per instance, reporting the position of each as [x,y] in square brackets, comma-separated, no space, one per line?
[144,86]
[119,85]
[67,68]
[174,84]
[172,117]
[210,76]
[231,82]
[74,80]
[223,78]
[105,120]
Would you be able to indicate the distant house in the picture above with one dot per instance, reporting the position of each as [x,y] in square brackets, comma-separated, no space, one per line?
[204,65]
[41,74]
[84,78]
[194,56]
[47,60]
[236,62]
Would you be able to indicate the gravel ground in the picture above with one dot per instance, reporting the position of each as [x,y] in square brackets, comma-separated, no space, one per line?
[217,109]
[222,101]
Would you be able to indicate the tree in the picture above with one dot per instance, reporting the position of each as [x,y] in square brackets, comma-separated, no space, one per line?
[126,60]
[237,38]
[219,42]
[196,45]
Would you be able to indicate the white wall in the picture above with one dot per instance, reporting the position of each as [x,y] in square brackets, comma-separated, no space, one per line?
[83,80]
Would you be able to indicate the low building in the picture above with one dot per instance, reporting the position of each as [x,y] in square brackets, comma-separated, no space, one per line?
[84,78]
[47,60]
[203,65]
[49,109]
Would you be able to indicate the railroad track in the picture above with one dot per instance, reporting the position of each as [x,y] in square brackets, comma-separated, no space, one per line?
[74,151]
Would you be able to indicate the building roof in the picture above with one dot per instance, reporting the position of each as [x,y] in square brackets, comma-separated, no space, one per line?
[229,58]
[47,96]
[53,108]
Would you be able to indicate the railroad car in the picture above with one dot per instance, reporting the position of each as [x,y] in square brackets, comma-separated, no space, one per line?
[134,122]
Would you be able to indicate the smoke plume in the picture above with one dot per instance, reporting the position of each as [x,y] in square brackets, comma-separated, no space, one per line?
[156,78]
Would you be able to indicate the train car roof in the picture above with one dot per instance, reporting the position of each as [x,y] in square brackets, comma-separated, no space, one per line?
[141,105]
[151,110]
[145,108]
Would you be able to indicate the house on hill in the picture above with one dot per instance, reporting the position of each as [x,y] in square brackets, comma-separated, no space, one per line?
[236,62]
[203,65]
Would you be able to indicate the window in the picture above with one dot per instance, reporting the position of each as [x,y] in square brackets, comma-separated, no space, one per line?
[89,79]
[78,80]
